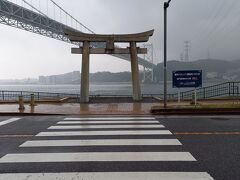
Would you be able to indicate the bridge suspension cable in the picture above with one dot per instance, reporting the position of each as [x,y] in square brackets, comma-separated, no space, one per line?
[33,7]
[72,17]
[57,11]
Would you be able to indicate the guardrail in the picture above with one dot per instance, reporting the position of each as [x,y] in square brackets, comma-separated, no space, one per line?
[228,89]
[13,95]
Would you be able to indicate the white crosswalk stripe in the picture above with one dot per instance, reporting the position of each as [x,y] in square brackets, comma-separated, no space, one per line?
[105,142]
[111,118]
[109,176]
[100,156]
[106,126]
[65,132]
[105,133]
[9,121]
[107,122]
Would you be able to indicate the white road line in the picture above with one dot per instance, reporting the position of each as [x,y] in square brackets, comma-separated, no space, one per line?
[109,176]
[107,122]
[99,133]
[96,156]
[105,142]
[106,126]
[9,121]
[111,118]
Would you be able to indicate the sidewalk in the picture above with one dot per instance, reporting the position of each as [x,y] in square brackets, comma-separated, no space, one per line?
[108,108]
[75,109]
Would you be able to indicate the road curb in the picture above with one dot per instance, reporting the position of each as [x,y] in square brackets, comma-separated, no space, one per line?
[29,114]
[191,111]
[90,114]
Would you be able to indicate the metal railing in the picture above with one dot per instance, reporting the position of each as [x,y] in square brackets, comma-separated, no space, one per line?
[228,89]
[14,95]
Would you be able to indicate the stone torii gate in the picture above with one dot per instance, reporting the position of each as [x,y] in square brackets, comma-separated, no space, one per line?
[110,48]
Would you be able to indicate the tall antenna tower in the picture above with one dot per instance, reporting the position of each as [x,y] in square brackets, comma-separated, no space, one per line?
[186,50]
[182,57]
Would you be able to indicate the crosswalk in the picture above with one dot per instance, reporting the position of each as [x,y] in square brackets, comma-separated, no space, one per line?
[73,146]
[9,121]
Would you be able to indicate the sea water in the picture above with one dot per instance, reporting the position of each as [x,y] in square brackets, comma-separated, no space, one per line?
[95,88]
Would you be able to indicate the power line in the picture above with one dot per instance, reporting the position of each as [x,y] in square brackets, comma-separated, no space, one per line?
[221,19]
[218,9]
[210,35]
[231,24]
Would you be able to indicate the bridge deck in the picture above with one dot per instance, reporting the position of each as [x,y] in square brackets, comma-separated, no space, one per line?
[19,17]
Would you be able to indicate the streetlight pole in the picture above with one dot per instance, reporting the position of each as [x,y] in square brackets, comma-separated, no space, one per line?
[166,5]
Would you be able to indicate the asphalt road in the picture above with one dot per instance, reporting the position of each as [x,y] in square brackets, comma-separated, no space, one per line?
[213,141]
[127,147]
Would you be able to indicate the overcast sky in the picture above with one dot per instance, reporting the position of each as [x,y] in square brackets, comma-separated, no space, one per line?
[212,27]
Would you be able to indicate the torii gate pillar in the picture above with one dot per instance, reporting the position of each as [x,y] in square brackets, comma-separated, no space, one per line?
[85,73]
[109,40]
[135,73]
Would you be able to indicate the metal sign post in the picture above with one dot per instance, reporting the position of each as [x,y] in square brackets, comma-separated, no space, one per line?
[179,96]
[166,5]
[195,97]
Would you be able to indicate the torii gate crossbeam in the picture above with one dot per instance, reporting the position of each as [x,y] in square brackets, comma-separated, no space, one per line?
[110,48]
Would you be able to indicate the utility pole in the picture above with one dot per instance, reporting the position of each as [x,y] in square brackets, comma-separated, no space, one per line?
[166,5]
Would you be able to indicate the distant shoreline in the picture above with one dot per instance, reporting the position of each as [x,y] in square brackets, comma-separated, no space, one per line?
[107,83]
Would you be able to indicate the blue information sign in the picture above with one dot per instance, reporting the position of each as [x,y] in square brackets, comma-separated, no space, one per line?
[187,79]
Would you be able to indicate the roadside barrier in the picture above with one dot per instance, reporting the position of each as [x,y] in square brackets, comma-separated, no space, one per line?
[228,89]
[21,103]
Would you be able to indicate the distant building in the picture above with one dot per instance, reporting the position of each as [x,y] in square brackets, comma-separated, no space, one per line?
[211,75]
[68,78]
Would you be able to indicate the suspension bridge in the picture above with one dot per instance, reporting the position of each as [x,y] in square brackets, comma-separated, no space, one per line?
[50,21]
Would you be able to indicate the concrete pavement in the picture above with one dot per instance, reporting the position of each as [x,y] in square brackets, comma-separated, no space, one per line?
[84,109]
[109,107]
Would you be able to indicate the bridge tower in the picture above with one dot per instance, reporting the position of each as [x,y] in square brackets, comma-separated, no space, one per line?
[148,76]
